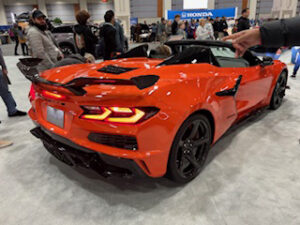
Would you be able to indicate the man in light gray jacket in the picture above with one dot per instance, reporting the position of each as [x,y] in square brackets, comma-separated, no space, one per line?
[41,43]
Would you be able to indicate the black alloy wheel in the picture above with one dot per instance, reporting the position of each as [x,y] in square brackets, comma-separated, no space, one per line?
[189,149]
[279,91]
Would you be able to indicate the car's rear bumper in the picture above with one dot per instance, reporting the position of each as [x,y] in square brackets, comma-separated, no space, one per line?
[75,155]
[153,138]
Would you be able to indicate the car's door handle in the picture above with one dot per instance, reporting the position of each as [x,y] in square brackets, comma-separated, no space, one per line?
[232,91]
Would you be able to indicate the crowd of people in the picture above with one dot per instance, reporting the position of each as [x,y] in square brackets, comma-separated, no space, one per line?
[38,39]
[199,29]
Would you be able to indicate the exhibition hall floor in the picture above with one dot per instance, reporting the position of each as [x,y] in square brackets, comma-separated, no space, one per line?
[252,177]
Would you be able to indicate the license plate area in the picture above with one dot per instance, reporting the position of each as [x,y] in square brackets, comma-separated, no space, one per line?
[55,116]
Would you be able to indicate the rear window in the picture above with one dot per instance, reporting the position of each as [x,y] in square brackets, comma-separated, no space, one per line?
[226,58]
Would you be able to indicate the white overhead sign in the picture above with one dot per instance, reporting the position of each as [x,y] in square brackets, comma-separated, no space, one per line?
[195,4]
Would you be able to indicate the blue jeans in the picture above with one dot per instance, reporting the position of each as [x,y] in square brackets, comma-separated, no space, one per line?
[7,96]
[297,63]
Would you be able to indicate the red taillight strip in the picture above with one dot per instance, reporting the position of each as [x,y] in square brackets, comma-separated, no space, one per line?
[122,115]
[53,95]
[32,93]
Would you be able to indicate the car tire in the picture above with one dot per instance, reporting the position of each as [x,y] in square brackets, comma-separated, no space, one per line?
[67,49]
[190,149]
[279,91]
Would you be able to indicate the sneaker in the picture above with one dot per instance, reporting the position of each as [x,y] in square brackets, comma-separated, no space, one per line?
[4,144]
[18,113]
[16,54]
[294,76]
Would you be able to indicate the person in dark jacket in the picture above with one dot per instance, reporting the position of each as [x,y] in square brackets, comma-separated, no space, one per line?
[108,33]
[223,26]
[120,38]
[216,26]
[244,22]
[85,40]
[175,25]
[272,34]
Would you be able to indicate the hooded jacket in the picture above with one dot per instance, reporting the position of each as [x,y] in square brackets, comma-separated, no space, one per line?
[90,40]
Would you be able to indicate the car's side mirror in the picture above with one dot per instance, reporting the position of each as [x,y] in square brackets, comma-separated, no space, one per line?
[267,61]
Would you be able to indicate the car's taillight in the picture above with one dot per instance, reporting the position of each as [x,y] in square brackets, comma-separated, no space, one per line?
[118,114]
[53,95]
[96,113]
[31,93]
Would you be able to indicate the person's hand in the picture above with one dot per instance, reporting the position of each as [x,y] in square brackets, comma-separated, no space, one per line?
[5,72]
[241,41]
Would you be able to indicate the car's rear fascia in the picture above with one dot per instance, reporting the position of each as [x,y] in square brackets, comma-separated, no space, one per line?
[153,150]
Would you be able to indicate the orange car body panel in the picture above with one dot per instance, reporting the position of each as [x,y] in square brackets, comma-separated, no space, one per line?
[180,91]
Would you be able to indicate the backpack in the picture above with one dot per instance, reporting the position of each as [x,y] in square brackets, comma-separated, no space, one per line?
[79,40]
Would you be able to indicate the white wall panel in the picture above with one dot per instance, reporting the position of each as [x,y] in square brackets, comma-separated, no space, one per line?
[177,4]
[219,4]
[64,11]
[62,1]
[19,2]
[143,8]
[264,8]
[97,10]
[16,9]
[192,4]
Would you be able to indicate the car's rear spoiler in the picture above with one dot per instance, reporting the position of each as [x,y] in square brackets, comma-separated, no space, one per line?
[76,86]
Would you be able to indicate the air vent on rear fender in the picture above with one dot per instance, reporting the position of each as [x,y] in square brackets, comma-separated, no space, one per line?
[115,69]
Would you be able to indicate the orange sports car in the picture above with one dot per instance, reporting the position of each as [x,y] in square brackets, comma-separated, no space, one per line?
[152,112]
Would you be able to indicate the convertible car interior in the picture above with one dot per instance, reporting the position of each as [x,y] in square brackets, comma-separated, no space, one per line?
[216,53]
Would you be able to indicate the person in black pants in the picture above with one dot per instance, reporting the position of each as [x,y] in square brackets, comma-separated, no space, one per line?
[274,34]
[244,22]
[216,26]
[223,26]
[15,30]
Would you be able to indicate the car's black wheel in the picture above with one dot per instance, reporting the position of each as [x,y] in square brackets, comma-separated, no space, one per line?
[189,149]
[67,50]
[279,91]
